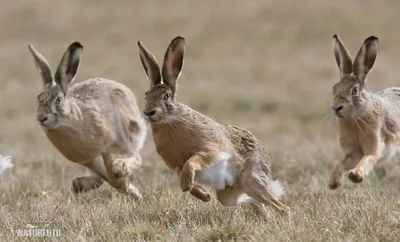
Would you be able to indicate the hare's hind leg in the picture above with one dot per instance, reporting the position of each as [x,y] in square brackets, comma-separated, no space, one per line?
[232,196]
[86,183]
[255,181]
[123,184]
[256,186]
[94,181]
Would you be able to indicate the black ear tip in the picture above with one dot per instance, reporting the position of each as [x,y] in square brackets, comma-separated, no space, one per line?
[76,45]
[179,38]
[335,36]
[371,39]
[139,43]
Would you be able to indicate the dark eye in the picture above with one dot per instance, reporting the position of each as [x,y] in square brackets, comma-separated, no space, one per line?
[58,100]
[167,96]
[354,91]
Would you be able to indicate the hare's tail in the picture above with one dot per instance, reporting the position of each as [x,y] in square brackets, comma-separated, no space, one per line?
[5,163]
[276,189]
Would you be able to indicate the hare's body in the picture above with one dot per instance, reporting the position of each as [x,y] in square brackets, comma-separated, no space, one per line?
[87,132]
[385,103]
[368,122]
[203,152]
[198,134]
[93,119]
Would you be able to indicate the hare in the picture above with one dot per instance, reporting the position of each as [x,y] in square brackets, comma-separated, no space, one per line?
[368,122]
[92,120]
[203,152]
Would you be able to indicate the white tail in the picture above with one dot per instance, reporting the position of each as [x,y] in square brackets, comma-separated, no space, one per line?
[5,163]
[276,189]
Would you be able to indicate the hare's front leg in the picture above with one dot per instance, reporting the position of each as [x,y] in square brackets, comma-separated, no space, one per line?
[363,167]
[346,164]
[123,185]
[371,151]
[197,191]
[188,172]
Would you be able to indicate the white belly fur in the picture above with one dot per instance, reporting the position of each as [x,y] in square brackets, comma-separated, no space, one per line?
[217,175]
[388,152]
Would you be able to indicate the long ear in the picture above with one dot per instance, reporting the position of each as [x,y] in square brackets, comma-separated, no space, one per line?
[42,65]
[365,58]
[68,66]
[342,56]
[173,62]
[150,65]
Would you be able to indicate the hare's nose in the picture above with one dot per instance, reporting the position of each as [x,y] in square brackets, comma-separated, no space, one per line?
[337,109]
[43,120]
[150,113]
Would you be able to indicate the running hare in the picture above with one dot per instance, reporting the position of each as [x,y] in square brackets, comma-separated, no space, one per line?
[368,121]
[226,158]
[93,119]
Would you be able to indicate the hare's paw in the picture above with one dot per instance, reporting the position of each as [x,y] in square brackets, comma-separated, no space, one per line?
[206,197]
[334,185]
[124,167]
[285,211]
[133,191]
[334,182]
[200,194]
[356,176]
[335,177]
[85,183]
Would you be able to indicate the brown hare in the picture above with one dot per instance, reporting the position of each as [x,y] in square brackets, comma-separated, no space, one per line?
[90,122]
[368,122]
[203,152]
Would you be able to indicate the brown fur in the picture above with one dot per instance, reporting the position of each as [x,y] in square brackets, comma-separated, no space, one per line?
[368,122]
[197,147]
[93,119]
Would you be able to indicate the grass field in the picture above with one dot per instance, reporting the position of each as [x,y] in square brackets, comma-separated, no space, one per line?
[267,66]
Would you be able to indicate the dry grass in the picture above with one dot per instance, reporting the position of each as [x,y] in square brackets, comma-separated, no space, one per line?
[264,65]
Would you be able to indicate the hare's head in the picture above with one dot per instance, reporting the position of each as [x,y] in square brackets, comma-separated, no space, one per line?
[160,99]
[51,101]
[349,96]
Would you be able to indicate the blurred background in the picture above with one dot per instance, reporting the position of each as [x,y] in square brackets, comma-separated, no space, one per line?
[267,66]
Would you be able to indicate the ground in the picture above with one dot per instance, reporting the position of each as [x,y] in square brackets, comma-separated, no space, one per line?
[267,66]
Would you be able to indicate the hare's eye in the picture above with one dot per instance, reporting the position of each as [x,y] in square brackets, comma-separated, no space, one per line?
[58,100]
[166,96]
[354,91]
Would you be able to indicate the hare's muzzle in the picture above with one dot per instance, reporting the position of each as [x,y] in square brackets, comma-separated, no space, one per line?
[338,110]
[149,113]
[42,119]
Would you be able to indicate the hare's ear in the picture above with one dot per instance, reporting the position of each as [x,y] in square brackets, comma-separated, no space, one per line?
[365,58]
[68,66]
[173,62]
[342,56]
[150,65]
[42,65]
